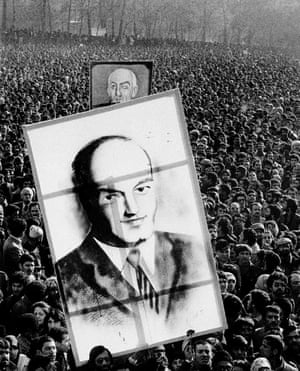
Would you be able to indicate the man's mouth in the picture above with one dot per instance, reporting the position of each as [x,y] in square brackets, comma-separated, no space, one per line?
[134,221]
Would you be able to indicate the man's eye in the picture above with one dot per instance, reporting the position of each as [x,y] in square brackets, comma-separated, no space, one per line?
[108,197]
[143,189]
[111,196]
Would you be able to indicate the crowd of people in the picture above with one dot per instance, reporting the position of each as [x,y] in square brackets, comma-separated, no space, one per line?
[242,109]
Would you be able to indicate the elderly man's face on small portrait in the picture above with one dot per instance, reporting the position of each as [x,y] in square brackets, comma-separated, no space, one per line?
[122,85]
[128,204]
[114,82]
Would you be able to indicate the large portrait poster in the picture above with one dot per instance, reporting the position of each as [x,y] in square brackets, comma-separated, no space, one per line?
[114,82]
[126,225]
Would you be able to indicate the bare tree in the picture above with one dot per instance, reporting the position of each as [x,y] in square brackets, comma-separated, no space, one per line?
[4,15]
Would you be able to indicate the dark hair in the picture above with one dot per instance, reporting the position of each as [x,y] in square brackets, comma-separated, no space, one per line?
[237,341]
[221,244]
[221,355]
[84,185]
[18,277]
[273,309]
[4,343]
[241,363]
[276,276]
[57,315]
[94,353]
[57,333]
[275,342]
[249,236]
[260,300]
[221,274]
[241,321]
[17,226]
[26,258]
[41,340]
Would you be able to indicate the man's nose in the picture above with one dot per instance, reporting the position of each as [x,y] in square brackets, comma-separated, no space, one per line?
[131,206]
[118,91]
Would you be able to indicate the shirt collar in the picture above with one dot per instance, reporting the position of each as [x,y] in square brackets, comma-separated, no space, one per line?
[118,255]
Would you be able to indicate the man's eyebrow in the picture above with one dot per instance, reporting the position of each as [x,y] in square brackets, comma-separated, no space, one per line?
[146,180]
[109,189]
[121,83]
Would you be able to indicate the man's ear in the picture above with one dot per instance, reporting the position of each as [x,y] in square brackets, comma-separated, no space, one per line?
[135,91]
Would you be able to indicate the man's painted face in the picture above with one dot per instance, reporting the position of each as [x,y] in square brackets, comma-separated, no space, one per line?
[126,199]
[121,86]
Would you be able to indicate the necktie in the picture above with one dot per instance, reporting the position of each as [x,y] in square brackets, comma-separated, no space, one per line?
[144,284]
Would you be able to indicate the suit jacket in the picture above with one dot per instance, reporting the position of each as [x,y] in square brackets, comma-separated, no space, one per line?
[91,280]
[104,308]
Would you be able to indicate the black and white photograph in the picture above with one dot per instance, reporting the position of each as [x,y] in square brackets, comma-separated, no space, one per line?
[149,185]
[116,82]
[133,256]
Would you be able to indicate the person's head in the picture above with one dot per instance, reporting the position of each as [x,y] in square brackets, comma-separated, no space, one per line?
[203,353]
[46,347]
[222,250]
[272,316]
[4,354]
[27,264]
[61,336]
[188,349]
[114,180]
[267,238]
[241,199]
[260,364]
[272,347]
[159,356]
[283,247]
[55,318]
[256,209]
[17,227]
[176,361]
[235,208]
[40,310]
[35,210]
[292,339]
[222,361]
[122,85]
[258,300]
[243,254]
[294,282]
[238,346]
[18,281]
[222,281]
[231,282]
[100,359]
[252,196]
[35,291]
[233,307]
[259,230]
[244,326]
[277,284]
[13,346]
[1,215]
[26,194]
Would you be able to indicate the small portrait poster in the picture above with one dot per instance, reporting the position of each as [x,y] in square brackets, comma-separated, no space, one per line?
[119,82]
[126,225]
